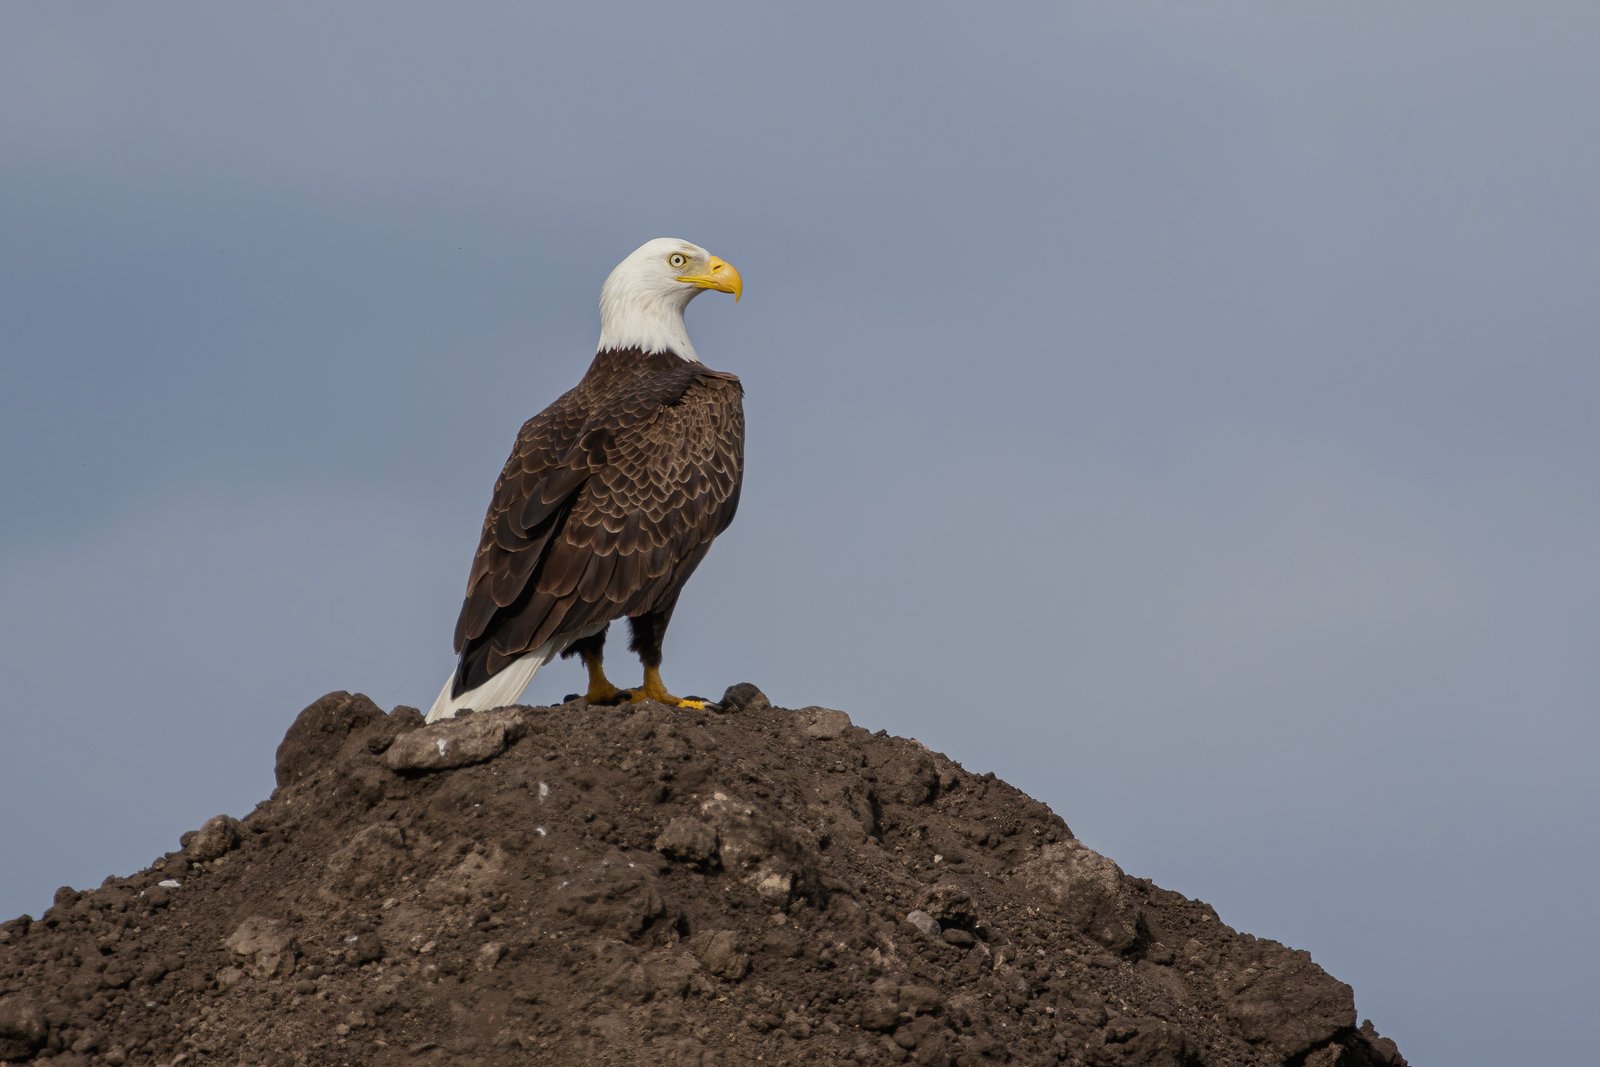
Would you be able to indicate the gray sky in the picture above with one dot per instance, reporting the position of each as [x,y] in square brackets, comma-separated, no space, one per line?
[1186,412]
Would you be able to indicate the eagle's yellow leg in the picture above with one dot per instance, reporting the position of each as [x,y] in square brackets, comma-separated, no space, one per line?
[655,689]
[601,691]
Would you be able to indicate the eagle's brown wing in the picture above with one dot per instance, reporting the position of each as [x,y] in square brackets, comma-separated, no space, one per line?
[610,499]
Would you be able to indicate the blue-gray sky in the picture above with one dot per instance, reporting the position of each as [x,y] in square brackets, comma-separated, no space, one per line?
[1186,412]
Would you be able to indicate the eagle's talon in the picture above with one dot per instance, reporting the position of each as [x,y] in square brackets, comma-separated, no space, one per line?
[659,694]
[601,692]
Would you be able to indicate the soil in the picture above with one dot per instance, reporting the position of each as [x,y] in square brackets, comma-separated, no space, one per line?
[594,885]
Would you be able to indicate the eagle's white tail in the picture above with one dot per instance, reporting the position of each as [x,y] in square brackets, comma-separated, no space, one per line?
[504,688]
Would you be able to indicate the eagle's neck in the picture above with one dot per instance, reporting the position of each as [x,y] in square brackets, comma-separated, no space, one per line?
[648,321]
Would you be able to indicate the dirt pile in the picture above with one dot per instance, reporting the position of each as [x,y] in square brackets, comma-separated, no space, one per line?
[577,885]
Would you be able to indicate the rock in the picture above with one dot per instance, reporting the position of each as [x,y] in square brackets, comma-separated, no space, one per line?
[216,837]
[1090,890]
[490,955]
[688,840]
[824,724]
[744,697]
[319,732]
[451,743]
[924,923]
[268,946]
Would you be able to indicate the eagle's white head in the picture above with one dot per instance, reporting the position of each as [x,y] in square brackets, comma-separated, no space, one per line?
[642,302]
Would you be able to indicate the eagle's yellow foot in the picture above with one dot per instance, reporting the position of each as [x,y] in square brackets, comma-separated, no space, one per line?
[655,689]
[601,691]
[607,694]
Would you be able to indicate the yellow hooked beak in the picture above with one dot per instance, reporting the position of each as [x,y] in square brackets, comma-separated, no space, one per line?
[719,275]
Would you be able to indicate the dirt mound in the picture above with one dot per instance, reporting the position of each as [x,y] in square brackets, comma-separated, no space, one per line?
[577,885]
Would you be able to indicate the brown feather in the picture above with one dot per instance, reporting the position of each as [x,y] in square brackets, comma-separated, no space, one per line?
[597,577]
[609,500]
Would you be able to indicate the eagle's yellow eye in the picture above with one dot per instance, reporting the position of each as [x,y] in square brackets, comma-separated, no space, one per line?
[678,260]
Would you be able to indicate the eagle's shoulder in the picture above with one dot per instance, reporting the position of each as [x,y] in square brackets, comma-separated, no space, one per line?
[722,376]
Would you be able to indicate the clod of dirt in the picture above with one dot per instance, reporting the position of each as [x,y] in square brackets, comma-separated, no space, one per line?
[688,839]
[23,1027]
[603,886]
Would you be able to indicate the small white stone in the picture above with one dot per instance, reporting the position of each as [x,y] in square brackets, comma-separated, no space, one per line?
[169,883]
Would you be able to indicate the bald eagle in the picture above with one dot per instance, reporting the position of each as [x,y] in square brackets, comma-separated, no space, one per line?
[611,497]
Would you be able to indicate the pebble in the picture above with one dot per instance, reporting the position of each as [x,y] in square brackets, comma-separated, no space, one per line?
[489,955]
